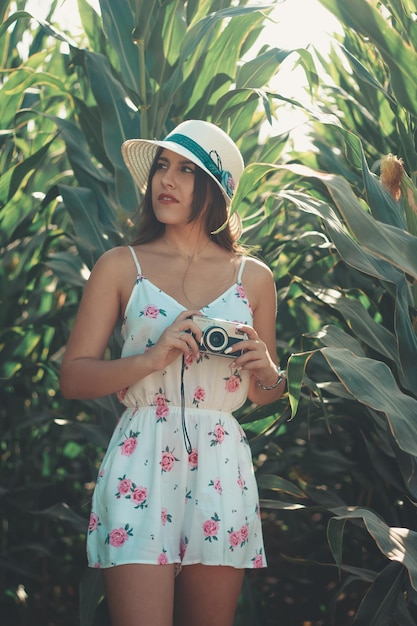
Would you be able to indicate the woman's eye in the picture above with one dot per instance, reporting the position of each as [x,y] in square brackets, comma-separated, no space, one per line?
[186,169]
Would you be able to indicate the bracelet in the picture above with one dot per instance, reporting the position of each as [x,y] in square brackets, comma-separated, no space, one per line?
[281,377]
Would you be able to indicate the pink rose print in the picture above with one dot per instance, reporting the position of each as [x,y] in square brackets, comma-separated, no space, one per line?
[162,558]
[93,524]
[128,446]
[218,434]
[124,487]
[240,293]
[241,483]
[193,459]
[161,413]
[167,460]
[258,560]
[139,495]
[233,382]
[217,486]
[199,396]
[191,358]
[131,491]
[119,536]
[149,345]
[244,534]
[238,537]
[165,517]
[161,403]
[159,398]
[152,311]
[234,539]
[139,278]
[211,528]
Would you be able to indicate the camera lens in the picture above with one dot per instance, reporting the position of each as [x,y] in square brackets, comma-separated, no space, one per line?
[216,339]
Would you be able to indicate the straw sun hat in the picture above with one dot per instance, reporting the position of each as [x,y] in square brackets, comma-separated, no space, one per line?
[203,143]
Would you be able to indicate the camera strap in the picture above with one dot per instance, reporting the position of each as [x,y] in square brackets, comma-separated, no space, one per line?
[187,441]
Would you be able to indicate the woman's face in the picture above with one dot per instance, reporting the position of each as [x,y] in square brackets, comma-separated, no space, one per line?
[173,188]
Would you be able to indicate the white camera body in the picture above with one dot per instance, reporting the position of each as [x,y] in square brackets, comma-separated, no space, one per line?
[218,335]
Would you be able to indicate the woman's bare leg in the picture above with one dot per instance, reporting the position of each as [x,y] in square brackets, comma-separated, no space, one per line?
[207,595]
[140,595]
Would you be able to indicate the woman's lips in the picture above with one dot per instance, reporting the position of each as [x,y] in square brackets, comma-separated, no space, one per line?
[166,197]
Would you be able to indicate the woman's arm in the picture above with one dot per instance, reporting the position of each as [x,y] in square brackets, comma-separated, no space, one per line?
[85,371]
[260,356]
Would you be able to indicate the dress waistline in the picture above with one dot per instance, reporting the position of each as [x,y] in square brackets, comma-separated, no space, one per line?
[173,408]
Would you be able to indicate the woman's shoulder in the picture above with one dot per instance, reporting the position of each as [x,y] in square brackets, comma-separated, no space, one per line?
[114,254]
[116,271]
[123,260]
[122,254]
[258,281]
[257,270]
[111,259]
[116,263]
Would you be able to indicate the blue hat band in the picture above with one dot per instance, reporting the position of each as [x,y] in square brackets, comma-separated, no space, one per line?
[224,177]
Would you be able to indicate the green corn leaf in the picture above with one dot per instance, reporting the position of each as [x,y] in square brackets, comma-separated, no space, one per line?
[118,25]
[400,57]
[257,72]
[82,206]
[372,384]
[397,544]
[378,606]
[295,370]
[383,240]
[277,483]
[334,337]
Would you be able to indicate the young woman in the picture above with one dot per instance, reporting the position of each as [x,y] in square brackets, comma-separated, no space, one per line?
[175,513]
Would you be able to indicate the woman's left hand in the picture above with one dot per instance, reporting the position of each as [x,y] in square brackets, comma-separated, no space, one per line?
[255,358]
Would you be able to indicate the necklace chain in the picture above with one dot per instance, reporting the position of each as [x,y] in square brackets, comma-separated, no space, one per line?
[190,258]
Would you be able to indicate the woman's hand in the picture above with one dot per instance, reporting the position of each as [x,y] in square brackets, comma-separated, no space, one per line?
[255,358]
[182,336]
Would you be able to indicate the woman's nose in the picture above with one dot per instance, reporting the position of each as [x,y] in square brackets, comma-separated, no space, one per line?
[168,177]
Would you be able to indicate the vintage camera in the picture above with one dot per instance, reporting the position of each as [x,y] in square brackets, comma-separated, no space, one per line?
[218,335]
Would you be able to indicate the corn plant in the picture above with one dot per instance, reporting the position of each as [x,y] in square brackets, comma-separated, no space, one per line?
[352,389]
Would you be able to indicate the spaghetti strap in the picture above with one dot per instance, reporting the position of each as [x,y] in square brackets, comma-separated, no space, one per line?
[135,258]
[241,267]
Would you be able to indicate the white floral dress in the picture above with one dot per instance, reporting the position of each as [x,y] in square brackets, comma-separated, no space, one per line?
[155,501]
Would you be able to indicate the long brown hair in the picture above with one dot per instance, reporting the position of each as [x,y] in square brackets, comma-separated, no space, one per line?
[149,228]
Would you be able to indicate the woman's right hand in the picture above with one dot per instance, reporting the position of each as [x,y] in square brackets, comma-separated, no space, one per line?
[181,337]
